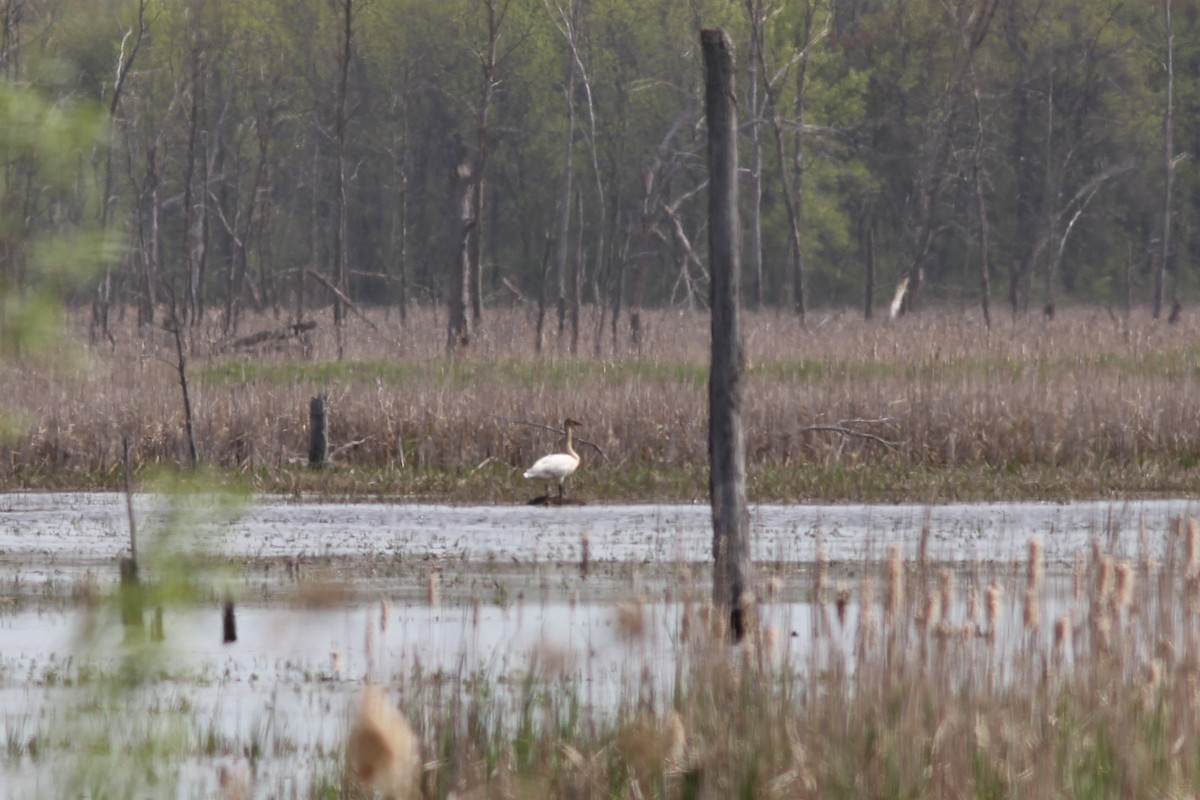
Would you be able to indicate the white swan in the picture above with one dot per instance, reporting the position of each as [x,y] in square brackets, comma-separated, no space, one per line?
[556,466]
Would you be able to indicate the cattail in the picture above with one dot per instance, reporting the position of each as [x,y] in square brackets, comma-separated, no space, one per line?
[1154,674]
[383,616]
[1102,631]
[947,590]
[768,644]
[674,738]
[1192,548]
[432,588]
[822,569]
[773,584]
[972,604]
[382,753]
[1077,579]
[931,612]
[584,553]
[631,620]
[1033,610]
[1037,563]
[1104,578]
[1062,636]
[842,601]
[233,786]
[868,623]
[1123,597]
[894,583]
[992,596]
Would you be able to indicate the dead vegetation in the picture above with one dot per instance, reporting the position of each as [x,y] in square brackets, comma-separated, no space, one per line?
[1070,406]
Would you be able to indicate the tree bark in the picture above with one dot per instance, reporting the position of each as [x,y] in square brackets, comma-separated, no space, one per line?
[726,440]
[458,324]
[1160,264]
[340,230]
[564,203]
[754,8]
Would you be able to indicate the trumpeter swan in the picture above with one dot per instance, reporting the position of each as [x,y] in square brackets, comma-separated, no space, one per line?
[556,466]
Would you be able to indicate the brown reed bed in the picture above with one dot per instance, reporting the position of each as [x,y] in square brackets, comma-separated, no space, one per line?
[927,408]
[919,681]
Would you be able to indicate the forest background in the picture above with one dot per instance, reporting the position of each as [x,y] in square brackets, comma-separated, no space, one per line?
[246,205]
[284,156]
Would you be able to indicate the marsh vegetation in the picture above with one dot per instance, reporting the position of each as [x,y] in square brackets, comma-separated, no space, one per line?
[929,408]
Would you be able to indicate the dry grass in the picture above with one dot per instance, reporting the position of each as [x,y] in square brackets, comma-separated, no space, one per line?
[920,693]
[1079,405]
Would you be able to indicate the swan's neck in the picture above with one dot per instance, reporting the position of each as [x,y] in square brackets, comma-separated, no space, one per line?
[571,450]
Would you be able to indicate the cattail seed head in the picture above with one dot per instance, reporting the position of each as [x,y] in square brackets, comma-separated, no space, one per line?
[1154,674]
[1192,549]
[992,610]
[1123,596]
[931,612]
[822,571]
[947,590]
[432,589]
[894,582]
[1033,610]
[1037,563]
[972,603]
[841,602]
[382,753]
[1104,578]
[631,620]
[1062,635]
[1077,579]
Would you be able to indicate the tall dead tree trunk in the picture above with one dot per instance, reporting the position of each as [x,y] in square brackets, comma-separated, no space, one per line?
[458,324]
[564,202]
[488,60]
[754,8]
[128,52]
[1160,263]
[340,230]
[726,440]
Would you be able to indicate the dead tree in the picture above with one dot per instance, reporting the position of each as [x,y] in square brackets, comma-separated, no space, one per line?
[458,323]
[1169,161]
[340,232]
[726,440]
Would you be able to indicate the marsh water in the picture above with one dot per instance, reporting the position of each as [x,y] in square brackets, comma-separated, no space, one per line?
[330,595]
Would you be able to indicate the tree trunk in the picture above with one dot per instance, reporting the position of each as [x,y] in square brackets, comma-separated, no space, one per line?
[755,10]
[869,290]
[1160,264]
[487,64]
[564,202]
[726,442]
[340,230]
[458,325]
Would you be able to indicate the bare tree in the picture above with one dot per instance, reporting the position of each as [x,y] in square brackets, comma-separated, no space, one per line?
[726,440]
[125,59]
[458,323]
[1169,160]
[340,231]
[570,27]
[806,37]
[488,59]
[757,12]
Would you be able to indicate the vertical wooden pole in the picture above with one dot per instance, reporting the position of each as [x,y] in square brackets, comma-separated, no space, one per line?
[726,440]
[318,432]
